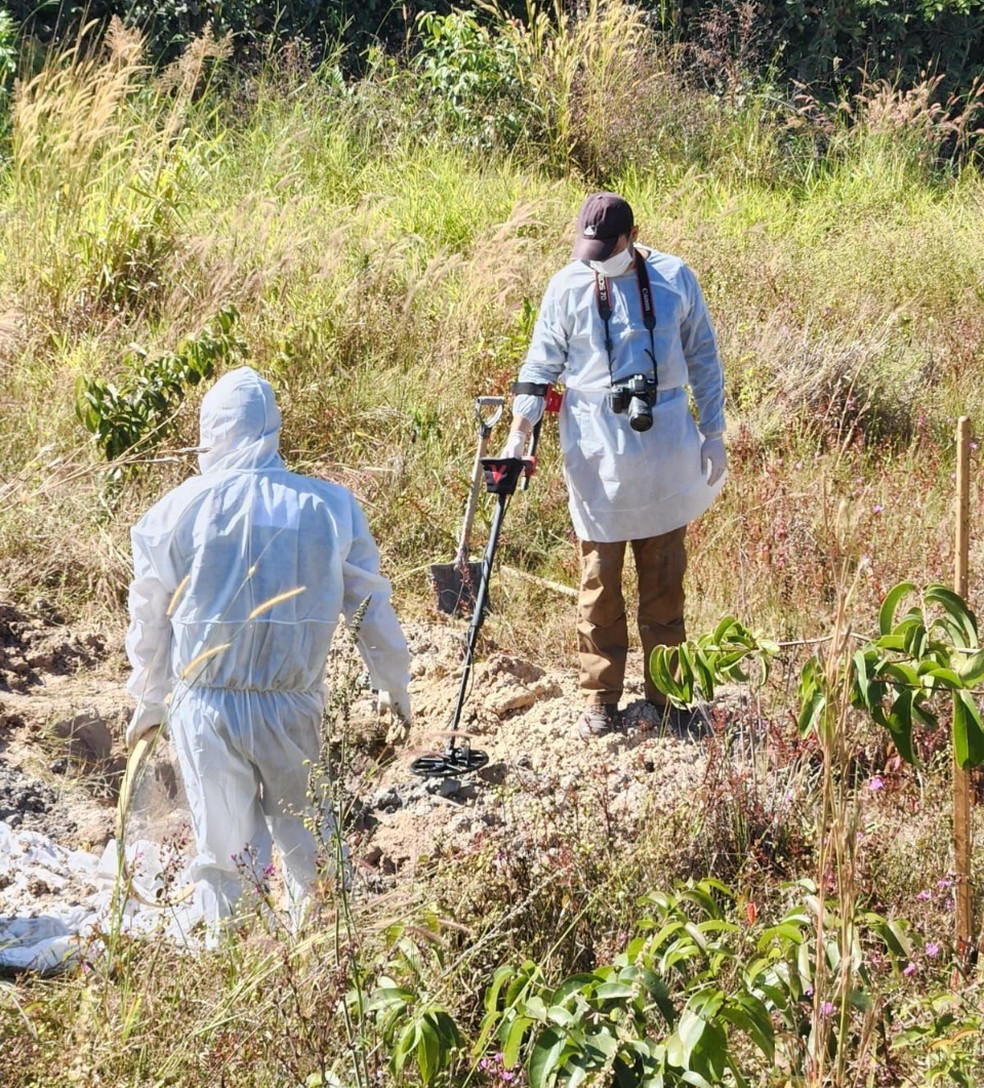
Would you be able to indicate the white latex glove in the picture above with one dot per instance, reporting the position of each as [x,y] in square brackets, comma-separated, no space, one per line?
[398,707]
[515,445]
[146,718]
[713,459]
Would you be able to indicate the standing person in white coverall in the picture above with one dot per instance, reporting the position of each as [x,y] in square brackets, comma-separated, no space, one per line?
[241,575]
[626,329]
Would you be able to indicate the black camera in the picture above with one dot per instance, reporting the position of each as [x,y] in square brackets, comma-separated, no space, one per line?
[636,397]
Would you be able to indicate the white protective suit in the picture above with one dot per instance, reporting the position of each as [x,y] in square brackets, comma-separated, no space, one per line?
[625,484]
[245,670]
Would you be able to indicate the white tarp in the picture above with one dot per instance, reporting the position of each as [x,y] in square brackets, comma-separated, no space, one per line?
[57,905]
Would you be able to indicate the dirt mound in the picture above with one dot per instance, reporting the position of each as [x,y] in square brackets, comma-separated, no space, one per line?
[522,716]
[35,647]
[62,744]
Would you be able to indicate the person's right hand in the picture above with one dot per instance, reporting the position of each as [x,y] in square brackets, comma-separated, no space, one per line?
[515,445]
[398,708]
[145,719]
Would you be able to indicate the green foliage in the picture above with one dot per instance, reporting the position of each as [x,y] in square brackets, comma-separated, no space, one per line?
[473,72]
[812,968]
[8,65]
[829,44]
[415,1027]
[684,672]
[663,1013]
[931,649]
[944,1034]
[137,416]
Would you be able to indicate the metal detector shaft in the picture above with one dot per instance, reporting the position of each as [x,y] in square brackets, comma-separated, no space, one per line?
[478,614]
[501,476]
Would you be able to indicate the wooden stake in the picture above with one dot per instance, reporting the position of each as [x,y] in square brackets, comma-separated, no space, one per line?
[963,892]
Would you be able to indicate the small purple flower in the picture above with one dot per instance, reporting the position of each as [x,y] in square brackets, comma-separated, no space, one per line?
[877,508]
[827,1010]
[909,969]
[876,783]
[932,950]
[924,895]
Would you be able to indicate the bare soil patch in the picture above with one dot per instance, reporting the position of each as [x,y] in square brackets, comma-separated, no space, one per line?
[63,711]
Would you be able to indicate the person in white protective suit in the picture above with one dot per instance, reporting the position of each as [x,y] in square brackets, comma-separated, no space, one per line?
[241,575]
[626,330]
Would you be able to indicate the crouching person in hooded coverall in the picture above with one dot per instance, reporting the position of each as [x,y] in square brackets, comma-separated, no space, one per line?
[241,575]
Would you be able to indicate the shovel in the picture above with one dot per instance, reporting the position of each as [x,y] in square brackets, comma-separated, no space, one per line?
[456,584]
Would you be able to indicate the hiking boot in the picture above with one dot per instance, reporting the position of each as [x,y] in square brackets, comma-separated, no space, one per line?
[598,720]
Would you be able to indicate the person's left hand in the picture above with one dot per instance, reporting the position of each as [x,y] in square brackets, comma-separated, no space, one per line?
[713,459]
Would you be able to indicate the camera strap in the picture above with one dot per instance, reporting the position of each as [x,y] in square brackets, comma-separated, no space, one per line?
[603,295]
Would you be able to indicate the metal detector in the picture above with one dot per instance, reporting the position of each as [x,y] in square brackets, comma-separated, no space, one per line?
[502,474]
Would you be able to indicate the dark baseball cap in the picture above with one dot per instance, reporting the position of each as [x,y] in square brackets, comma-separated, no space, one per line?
[602,220]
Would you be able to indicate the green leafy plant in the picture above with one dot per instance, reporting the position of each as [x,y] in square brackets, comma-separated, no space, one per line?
[416,1027]
[684,672]
[8,65]
[663,1013]
[931,649]
[135,416]
[472,70]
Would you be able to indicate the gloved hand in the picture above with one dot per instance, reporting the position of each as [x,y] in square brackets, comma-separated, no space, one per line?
[713,458]
[398,707]
[515,445]
[145,719]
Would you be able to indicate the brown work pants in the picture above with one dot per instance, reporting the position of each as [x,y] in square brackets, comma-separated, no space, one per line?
[602,628]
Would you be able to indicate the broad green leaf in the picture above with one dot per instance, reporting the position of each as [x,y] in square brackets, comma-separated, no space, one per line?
[572,985]
[946,677]
[723,630]
[604,1042]
[429,1051]
[900,726]
[513,1041]
[610,991]
[886,615]
[406,1045]
[543,1060]
[499,979]
[968,733]
[963,623]
[970,668]
[690,1030]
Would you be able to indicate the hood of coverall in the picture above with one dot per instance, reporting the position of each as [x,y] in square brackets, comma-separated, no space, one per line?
[240,423]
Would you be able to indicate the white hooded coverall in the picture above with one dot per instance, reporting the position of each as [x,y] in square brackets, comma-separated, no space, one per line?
[241,575]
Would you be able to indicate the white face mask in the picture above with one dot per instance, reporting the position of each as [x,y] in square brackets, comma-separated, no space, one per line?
[616,265]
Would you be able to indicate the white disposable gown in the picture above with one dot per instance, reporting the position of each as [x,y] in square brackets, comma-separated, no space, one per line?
[241,575]
[625,484]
